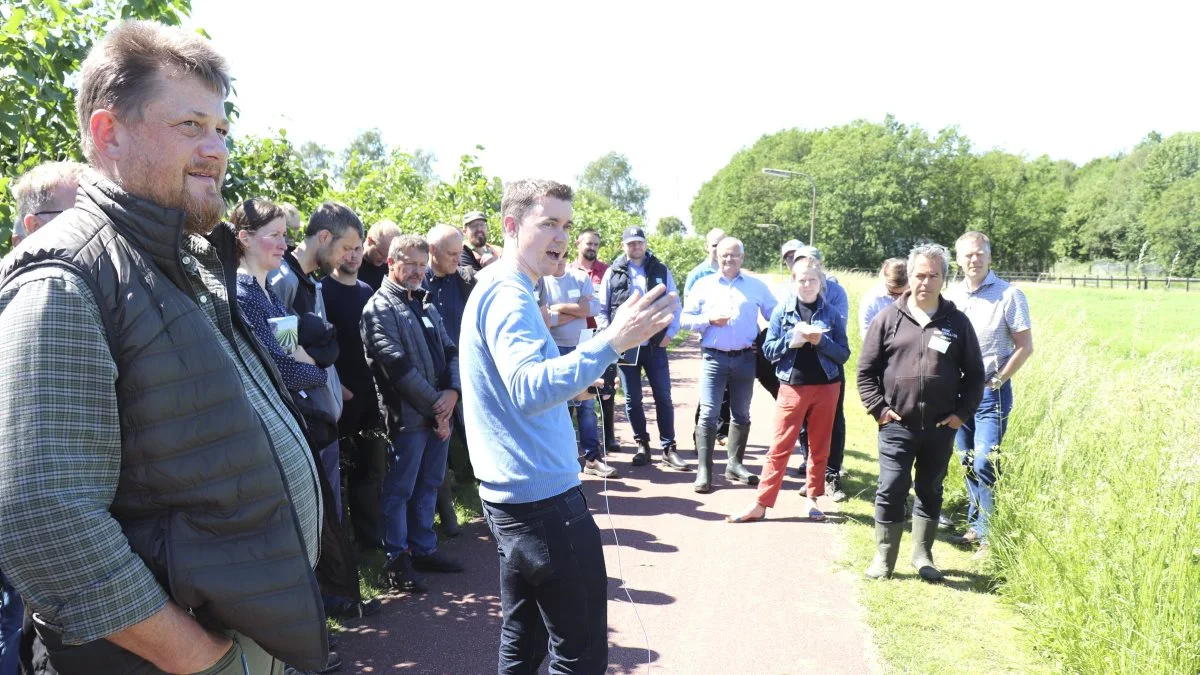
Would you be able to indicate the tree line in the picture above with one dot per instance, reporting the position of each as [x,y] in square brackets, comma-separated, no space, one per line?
[884,187]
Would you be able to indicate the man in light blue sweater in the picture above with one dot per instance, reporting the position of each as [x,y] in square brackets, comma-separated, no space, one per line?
[515,392]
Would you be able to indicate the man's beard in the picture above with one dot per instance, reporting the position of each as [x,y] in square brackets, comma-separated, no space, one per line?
[325,259]
[350,269]
[479,241]
[200,214]
[589,254]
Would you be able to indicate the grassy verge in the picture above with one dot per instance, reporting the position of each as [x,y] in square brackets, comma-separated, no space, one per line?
[962,626]
[1098,537]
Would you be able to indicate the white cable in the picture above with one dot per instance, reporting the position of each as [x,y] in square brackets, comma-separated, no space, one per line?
[608,508]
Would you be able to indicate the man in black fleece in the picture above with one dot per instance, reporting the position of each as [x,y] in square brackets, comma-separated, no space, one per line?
[920,375]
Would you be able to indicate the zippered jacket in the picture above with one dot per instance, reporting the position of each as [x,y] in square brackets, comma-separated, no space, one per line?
[923,374]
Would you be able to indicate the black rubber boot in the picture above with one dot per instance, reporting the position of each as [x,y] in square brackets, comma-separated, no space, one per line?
[642,456]
[704,452]
[736,452]
[924,532]
[672,459]
[887,549]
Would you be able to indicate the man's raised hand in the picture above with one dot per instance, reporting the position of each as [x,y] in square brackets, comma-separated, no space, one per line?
[640,317]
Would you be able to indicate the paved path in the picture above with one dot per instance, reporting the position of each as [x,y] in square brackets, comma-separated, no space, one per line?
[712,597]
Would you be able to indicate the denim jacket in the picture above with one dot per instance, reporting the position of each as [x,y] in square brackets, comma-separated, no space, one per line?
[832,351]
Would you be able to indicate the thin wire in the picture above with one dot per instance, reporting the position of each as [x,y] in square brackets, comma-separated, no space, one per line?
[620,568]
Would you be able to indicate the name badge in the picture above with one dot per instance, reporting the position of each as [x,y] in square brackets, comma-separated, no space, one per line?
[573,293]
[939,343]
[429,324]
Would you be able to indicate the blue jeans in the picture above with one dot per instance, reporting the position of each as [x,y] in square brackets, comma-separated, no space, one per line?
[416,469]
[12,614]
[978,440]
[719,370]
[653,360]
[553,585]
[585,415]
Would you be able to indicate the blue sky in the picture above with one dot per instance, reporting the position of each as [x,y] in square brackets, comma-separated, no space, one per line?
[547,87]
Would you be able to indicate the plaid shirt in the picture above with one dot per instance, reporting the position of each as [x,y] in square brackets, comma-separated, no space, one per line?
[59,544]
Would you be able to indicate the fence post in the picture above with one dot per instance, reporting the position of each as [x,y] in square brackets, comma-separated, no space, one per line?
[1072,281]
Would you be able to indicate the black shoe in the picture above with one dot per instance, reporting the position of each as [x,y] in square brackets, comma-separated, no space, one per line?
[833,487]
[402,575]
[436,562]
[345,608]
[642,456]
[672,459]
[611,446]
[722,439]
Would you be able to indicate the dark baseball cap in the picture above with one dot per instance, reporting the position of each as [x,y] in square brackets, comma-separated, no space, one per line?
[472,217]
[633,233]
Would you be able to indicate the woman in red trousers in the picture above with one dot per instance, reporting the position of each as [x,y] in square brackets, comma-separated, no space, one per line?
[807,343]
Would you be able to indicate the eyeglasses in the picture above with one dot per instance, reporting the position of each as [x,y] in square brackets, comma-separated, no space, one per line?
[48,213]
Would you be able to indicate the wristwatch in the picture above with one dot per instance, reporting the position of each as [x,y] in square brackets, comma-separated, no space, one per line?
[995,383]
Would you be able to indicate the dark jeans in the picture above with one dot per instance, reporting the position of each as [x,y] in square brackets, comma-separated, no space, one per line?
[837,443]
[900,449]
[367,453]
[653,360]
[416,468]
[12,613]
[553,585]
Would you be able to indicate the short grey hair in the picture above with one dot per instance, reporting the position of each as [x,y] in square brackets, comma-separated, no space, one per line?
[929,251]
[407,242]
[33,190]
[715,233]
[121,71]
[441,232]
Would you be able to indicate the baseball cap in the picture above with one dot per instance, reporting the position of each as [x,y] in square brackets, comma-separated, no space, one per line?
[790,246]
[633,233]
[810,252]
[472,217]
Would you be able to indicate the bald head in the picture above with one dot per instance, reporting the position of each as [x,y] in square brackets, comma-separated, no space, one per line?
[379,238]
[445,246]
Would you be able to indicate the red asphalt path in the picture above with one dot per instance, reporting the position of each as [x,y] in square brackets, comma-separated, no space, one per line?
[712,597]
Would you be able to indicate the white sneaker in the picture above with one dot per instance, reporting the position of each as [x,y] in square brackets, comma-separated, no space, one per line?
[597,467]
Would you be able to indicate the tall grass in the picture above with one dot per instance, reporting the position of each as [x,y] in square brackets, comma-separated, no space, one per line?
[1097,534]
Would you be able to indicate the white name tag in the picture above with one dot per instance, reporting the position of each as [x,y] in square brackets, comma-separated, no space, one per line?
[573,293]
[939,343]
[429,324]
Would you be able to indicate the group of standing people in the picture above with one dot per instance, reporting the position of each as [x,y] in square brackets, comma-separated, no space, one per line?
[187,391]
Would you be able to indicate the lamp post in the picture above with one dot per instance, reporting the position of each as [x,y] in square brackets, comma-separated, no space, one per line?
[812,225]
[779,230]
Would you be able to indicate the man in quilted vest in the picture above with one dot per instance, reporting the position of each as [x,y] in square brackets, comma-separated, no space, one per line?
[159,505]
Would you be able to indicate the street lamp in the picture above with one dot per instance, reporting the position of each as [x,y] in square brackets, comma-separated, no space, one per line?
[778,229]
[812,225]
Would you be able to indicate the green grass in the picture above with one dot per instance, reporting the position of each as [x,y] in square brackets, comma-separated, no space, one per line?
[1095,564]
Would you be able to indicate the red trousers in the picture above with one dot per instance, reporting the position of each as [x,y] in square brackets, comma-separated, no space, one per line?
[817,402]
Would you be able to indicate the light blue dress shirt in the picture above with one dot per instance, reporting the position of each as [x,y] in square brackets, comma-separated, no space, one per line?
[744,298]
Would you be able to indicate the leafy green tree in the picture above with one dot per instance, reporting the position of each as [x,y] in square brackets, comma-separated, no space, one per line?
[366,153]
[271,168]
[611,176]
[1173,227]
[317,159]
[670,226]
[42,46]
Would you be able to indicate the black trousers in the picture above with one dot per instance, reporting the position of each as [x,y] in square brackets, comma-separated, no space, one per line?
[900,450]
